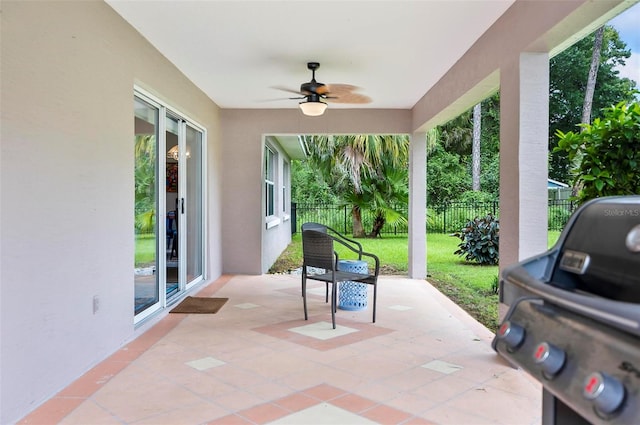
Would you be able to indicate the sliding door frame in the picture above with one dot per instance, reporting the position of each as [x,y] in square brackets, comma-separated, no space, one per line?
[161,261]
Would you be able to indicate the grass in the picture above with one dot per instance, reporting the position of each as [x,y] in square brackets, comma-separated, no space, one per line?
[469,285]
[392,252]
[145,249]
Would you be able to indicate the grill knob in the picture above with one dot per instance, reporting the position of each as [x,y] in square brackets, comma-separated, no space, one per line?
[549,357]
[605,392]
[511,334]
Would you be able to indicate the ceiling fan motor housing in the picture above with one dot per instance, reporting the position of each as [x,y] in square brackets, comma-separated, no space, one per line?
[314,97]
[313,87]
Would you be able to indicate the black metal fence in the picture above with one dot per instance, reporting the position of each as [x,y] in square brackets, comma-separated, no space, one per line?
[442,218]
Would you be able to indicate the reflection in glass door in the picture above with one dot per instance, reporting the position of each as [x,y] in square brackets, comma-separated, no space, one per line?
[184,205]
[147,294]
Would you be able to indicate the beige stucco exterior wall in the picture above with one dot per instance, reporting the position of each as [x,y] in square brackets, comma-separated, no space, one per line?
[245,239]
[68,75]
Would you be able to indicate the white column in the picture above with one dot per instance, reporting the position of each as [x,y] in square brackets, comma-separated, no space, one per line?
[418,206]
[524,129]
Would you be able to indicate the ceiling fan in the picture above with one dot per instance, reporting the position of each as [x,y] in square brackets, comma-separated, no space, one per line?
[316,93]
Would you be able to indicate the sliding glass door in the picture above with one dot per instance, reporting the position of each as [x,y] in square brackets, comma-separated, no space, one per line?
[193,189]
[169,232]
[146,125]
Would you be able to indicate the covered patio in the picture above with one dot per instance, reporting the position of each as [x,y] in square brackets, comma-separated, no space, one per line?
[77,80]
[257,361]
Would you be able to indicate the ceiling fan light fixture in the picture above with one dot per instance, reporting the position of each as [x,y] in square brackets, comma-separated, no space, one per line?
[313,108]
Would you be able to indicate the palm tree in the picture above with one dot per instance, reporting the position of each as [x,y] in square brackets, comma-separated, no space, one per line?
[145,182]
[366,172]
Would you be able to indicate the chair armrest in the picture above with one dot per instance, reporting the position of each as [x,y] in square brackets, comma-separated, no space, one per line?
[360,253]
[342,239]
[376,260]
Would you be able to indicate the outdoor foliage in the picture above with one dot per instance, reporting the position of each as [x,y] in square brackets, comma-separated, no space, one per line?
[367,172]
[447,176]
[567,84]
[480,240]
[306,187]
[144,173]
[606,152]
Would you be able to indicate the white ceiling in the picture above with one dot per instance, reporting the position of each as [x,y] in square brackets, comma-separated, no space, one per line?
[237,51]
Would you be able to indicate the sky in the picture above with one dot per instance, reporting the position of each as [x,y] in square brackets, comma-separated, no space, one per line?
[628,26]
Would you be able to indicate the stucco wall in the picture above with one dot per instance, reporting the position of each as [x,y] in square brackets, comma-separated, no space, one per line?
[68,73]
[276,235]
[244,237]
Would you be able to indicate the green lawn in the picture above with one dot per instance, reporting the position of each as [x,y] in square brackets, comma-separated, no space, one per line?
[469,285]
[145,250]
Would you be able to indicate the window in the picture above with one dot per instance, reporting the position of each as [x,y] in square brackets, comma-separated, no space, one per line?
[269,181]
[285,180]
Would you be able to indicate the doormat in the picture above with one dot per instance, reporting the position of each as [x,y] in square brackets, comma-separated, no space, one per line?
[200,305]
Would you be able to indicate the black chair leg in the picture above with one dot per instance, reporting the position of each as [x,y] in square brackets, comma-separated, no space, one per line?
[304,295]
[333,304]
[375,296]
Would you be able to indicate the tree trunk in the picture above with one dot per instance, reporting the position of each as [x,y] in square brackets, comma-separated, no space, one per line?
[356,218]
[475,152]
[593,75]
[588,95]
[378,224]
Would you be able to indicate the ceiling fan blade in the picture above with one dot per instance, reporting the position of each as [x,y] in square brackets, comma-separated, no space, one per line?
[341,89]
[323,89]
[287,89]
[277,99]
[355,98]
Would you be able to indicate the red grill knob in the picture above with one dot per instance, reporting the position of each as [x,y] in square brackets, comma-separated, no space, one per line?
[549,357]
[511,334]
[604,391]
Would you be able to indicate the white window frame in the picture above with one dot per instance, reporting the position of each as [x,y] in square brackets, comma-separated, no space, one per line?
[286,191]
[270,186]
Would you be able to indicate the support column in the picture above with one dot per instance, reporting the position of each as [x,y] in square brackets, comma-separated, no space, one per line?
[418,206]
[524,129]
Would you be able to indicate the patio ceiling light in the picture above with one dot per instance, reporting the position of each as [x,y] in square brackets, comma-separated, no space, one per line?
[313,108]
[174,154]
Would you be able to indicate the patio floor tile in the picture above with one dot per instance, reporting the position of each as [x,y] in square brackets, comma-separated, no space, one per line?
[424,361]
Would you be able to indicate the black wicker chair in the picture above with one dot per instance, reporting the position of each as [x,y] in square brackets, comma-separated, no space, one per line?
[310,225]
[318,252]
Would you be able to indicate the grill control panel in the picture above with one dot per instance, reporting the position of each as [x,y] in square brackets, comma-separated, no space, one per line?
[592,367]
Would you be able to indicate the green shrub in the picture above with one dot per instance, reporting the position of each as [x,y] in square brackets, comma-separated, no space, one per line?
[476,196]
[480,240]
[605,153]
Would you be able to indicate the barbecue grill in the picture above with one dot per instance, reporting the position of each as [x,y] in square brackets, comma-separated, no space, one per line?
[574,317]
